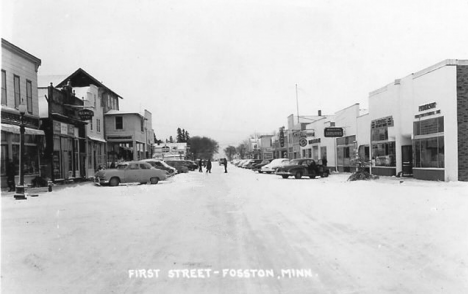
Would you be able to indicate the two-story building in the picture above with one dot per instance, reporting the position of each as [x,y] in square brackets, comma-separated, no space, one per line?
[19,86]
[129,135]
[78,153]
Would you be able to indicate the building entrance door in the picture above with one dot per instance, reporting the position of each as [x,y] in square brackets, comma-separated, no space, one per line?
[407,160]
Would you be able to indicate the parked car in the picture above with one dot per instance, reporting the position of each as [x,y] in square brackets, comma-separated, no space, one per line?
[240,162]
[252,163]
[129,172]
[273,165]
[191,164]
[303,167]
[245,163]
[159,164]
[179,165]
[258,166]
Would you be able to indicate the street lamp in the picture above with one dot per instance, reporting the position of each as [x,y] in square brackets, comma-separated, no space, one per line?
[20,195]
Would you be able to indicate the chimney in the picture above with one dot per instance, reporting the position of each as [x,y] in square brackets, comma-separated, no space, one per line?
[319,113]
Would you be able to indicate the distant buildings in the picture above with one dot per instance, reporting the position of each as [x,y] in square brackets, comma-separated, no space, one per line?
[415,126]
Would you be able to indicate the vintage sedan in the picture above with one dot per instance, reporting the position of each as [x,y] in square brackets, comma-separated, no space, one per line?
[179,165]
[303,167]
[129,172]
[273,165]
[159,164]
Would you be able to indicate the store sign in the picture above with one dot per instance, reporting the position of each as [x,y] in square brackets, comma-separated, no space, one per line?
[281,137]
[119,138]
[301,134]
[85,114]
[418,116]
[333,132]
[302,142]
[382,122]
[314,141]
[427,106]
[165,149]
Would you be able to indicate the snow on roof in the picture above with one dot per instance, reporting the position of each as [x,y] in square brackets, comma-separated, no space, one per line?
[118,112]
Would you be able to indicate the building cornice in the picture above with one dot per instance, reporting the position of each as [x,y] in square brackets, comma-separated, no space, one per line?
[17,50]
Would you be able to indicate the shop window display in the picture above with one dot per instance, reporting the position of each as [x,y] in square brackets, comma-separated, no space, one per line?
[429,152]
[384,154]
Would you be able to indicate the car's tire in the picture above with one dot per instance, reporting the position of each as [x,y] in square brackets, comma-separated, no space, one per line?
[154,181]
[285,176]
[268,172]
[325,175]
[260,172]
[114,181]
[298,175]
[312,175]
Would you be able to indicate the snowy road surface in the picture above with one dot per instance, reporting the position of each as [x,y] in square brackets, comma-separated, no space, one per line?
[239,232]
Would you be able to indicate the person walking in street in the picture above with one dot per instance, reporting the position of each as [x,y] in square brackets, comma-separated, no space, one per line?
[208,166]
[225,165]
[200,165]
[10,171]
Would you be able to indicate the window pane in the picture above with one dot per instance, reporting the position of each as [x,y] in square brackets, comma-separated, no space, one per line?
[29,96]
[16,81]
[441,124]
[429,152]
[441,152]
[118,123]
[4,155]
[417,153]
[4,89]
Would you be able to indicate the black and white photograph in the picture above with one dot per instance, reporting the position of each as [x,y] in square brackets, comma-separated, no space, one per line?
[234,146]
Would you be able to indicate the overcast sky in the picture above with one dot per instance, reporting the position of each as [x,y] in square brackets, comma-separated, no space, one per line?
[228,69]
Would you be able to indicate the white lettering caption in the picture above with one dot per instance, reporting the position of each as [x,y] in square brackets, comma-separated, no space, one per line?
[200,273]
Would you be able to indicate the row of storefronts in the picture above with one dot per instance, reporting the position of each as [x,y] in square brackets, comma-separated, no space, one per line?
[73,125]
[415,126]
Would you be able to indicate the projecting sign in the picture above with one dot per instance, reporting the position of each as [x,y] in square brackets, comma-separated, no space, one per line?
[85,114]
[302,142]
[333,132]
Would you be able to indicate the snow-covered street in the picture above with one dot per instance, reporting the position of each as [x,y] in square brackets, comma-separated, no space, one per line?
[240,232]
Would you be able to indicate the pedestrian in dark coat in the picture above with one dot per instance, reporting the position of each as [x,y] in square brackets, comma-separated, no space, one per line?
[10,171]
[208,166]
[225,165]
[200,165]
[324,161]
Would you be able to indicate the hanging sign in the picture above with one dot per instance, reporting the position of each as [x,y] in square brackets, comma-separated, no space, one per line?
[302,142]
[333,132]
[85,114]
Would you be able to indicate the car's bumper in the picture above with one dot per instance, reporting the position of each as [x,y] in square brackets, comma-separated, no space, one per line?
[284,173]
[100,181]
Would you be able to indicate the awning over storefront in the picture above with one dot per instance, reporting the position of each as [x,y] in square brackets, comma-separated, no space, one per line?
[94,138]
[16,130]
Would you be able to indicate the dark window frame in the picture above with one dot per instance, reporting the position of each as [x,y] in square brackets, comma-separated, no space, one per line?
[4,88]
[17,90]
[119,125]
[29,99]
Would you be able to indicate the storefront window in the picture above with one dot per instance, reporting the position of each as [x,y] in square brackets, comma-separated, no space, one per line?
[380,134]
[30,159]
[429,126]
[384,154]
[4,156]
[429,152]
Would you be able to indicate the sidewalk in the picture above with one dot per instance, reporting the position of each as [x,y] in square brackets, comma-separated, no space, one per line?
[42,190]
